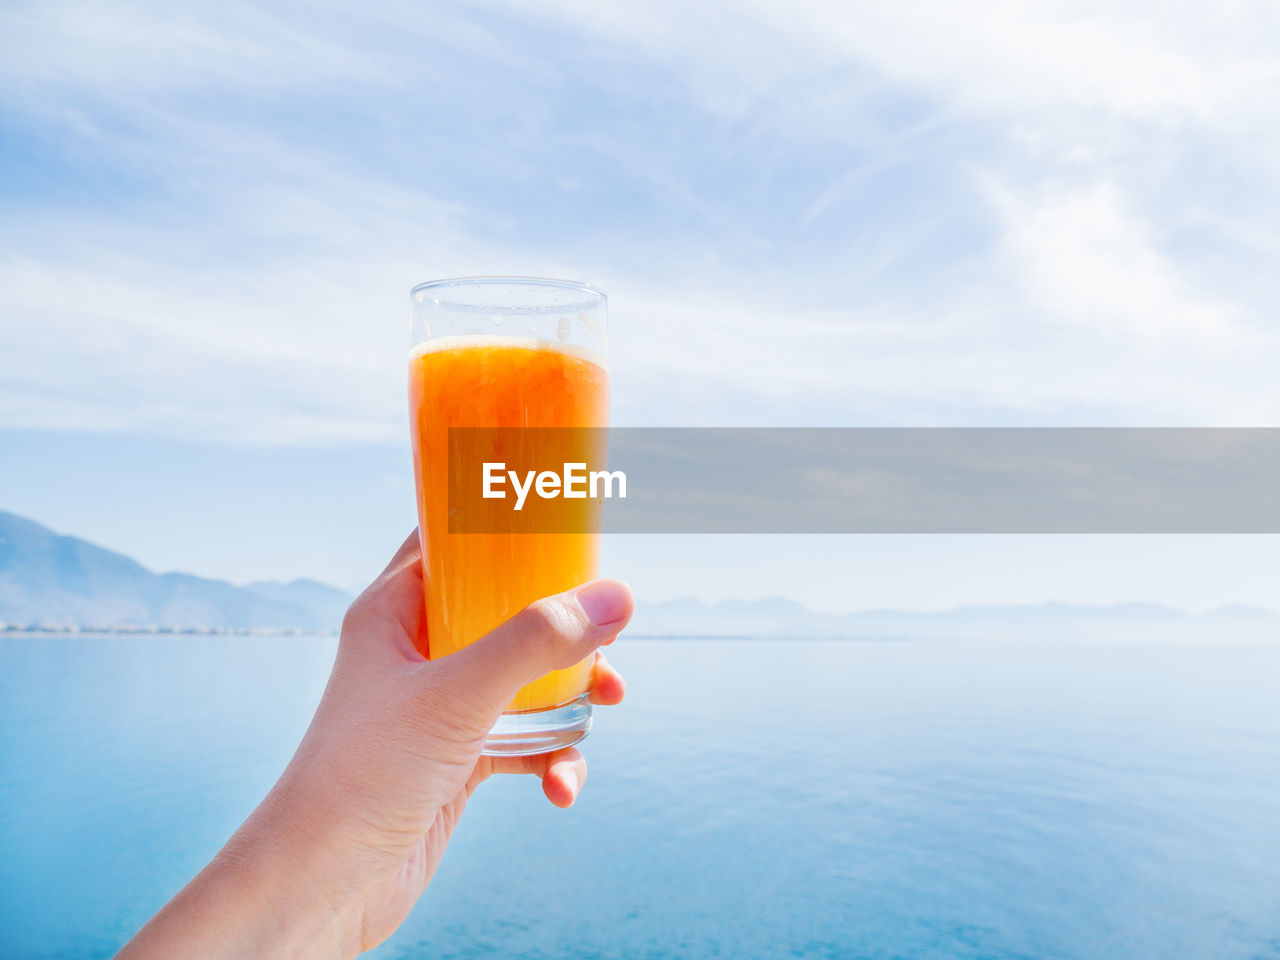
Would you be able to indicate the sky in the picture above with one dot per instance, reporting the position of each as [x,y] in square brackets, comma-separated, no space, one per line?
[844,214]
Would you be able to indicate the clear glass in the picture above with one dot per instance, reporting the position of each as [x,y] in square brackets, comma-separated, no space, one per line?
[504,352]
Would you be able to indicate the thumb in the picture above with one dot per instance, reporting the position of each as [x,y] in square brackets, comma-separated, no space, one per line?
[549,634]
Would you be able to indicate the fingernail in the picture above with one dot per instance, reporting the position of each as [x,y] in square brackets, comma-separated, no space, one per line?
[605,601]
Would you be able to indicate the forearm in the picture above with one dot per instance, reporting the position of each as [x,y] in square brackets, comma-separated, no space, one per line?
[258,898]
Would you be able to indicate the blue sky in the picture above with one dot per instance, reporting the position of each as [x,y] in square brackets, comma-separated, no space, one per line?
[844,214]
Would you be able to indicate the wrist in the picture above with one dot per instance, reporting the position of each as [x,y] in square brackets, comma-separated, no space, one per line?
[291,879]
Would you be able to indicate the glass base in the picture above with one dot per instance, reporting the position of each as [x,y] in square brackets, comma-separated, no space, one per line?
[539,731]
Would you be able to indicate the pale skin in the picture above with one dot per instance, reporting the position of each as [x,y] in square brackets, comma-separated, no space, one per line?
[335,856]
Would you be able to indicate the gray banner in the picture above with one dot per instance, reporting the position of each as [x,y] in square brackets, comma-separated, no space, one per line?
[879,480]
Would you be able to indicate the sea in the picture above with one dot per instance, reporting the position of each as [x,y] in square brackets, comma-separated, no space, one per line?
[752,798]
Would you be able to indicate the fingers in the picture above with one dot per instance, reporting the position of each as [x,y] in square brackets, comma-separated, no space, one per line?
[562,773]
[607,685]
[405,566]
[549,634]
[408,554]
[565,776]
[395,597]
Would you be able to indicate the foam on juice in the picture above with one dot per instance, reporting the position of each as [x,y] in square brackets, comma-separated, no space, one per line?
[474,340]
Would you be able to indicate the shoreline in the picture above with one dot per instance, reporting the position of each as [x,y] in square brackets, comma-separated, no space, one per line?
[44,630]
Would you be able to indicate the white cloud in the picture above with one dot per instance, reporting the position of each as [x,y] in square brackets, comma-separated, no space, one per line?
[1090,263]
[1138,59]
[256,291]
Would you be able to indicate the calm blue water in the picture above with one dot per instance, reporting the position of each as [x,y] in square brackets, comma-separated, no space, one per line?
[752,799]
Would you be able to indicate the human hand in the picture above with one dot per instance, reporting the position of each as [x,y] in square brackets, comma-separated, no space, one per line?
[331,862]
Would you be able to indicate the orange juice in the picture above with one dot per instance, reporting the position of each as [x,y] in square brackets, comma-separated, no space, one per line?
[475,581]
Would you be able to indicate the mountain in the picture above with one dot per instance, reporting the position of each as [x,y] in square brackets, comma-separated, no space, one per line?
[47,578]
[778,617]
[57,580]
[326,602]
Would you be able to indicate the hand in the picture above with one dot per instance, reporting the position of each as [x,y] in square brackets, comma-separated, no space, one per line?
[333,859]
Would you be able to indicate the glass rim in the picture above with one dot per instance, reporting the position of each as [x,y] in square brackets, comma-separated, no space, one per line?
[591,296]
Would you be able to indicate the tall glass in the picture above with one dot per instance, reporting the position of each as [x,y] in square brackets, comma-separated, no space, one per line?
[504,352]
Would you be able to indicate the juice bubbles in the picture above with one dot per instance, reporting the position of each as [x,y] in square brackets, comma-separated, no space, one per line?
[475,581]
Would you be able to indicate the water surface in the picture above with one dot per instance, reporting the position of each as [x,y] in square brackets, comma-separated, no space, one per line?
[751,799]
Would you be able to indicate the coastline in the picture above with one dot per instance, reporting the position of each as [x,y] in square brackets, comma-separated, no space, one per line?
[60,629]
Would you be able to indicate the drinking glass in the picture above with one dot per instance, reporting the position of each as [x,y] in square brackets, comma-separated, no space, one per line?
[504,352]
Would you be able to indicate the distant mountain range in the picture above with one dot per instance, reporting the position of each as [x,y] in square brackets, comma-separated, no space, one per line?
[56,581]
[780,617]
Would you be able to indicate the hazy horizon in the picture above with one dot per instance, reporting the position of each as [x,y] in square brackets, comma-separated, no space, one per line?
[656,604]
